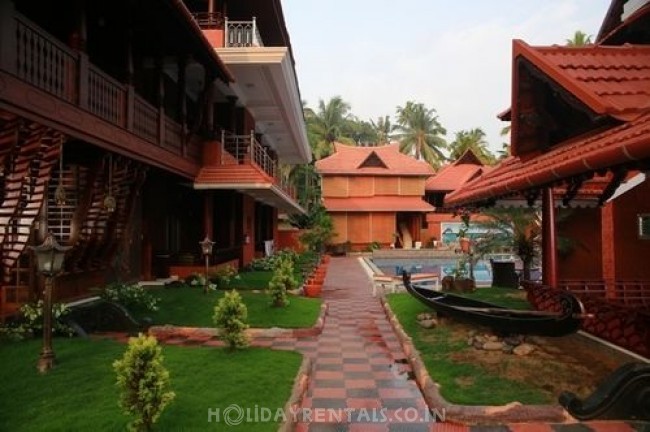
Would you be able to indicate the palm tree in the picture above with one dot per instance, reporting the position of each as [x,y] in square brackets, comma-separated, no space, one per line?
[327,125]
[384,129]
[473,139]
[504,152]
[579,39]
[519,229]
[421,133]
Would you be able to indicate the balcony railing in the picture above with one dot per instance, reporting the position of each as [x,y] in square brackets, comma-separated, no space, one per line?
[242,34]
[51,66]
[245,149]
[209,20]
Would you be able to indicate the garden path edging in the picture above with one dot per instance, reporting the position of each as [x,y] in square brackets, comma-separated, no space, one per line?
[300,385]
[513,412]
[203,334]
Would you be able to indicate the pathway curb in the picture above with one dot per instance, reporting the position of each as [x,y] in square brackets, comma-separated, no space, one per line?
[300,385]
[202,334]
[513,412]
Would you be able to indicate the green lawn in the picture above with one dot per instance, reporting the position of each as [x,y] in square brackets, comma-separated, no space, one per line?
[462,383]
[189,306]
[507,297]
[252,280]
[80,393]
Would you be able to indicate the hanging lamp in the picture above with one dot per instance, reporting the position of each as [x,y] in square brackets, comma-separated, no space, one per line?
[59,192]
[109,200]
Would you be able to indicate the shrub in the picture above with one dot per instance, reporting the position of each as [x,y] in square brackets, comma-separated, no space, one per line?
[143,382]
[31,321]
[283,279]
[230,315]
[223,275]
[130,296]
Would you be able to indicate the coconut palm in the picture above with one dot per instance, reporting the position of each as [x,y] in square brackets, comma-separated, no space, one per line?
[473,139]
[519,229]
[327,125]
[384,129]
[579,39]
[420,133]
[504,152]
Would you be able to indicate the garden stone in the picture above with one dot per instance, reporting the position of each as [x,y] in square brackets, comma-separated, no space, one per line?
[493,346]
[524,349]
[513,340]
[507,349]
[470,341]
[493,338]
[480,339]
[472,333]
[424,316]
[478,345]
[428,323]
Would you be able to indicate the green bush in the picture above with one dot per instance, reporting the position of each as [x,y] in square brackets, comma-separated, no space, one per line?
[130,296]
[230,316]
[283,280]
[223,275]
[143,382]
[31,320]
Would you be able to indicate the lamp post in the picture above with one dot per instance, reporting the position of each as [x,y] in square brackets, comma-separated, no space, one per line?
[49,261]
[206,249]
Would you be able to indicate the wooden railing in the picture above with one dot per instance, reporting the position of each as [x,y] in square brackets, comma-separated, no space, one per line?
[246,149]
[50,65]
[634,293]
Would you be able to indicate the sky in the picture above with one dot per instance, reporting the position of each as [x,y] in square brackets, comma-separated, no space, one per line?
[453,56]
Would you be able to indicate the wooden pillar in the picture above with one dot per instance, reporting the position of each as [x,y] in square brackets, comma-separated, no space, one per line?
[248,249]
[549,237]
[7,36]
[208,214]
[608,251]
[161,99]
[210,6]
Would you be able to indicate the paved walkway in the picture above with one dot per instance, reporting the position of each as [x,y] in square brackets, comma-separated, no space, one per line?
[361,381]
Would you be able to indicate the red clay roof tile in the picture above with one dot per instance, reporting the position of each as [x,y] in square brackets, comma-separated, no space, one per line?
[349,160]
[619,145]
[611,80]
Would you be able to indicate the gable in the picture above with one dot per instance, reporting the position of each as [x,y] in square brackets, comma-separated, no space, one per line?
[373,161]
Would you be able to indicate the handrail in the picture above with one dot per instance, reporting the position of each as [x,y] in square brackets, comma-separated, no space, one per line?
[242,34]
[209,20]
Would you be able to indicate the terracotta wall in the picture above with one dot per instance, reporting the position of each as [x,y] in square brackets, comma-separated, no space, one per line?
[335,186]
[411,186]
[383,228]
[632,253]
[386,185]
[361,186]
[361,229]
[215,37]
[340,222]
[582,229]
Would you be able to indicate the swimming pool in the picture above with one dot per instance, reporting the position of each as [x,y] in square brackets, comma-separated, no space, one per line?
[439,266]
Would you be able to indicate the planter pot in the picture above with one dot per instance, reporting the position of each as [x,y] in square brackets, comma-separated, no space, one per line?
[312,290]
[325,259]
[464,285]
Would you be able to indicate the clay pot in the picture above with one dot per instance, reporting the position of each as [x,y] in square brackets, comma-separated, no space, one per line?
[312,289]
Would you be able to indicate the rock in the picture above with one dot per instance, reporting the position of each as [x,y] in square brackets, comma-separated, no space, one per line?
[477,344]
[470,341]
[523,349]
[428,323]
[492,338]
[493,346]
[424,316]
[480,339]
[472,333]
[507,349]
[513,340]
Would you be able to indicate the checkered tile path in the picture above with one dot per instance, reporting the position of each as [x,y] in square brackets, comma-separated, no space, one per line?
[361,380]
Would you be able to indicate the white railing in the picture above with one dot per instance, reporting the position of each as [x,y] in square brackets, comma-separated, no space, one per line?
[242,34]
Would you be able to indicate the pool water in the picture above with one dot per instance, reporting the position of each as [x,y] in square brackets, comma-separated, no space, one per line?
[440,267]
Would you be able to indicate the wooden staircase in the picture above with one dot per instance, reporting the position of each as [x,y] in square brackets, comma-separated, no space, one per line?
[28,151]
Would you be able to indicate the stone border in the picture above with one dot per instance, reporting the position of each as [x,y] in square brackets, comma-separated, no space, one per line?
[300,385]
[166,332]
[513,412]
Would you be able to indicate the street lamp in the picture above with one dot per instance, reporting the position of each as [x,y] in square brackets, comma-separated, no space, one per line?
[206,249]
[49,261]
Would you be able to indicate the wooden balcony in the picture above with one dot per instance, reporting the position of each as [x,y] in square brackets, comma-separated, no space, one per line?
[44,79]
[240,162]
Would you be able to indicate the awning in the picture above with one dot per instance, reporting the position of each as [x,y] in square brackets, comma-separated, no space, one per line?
[378,204]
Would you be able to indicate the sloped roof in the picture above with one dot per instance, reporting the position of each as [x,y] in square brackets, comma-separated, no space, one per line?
[350,160]
[453,176]
[610,80]
[619,145]
[377,204]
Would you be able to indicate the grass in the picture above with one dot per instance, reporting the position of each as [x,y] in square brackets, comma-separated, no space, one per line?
[252,280]
[507,297]
[461,382]
[80,392]
[189,306]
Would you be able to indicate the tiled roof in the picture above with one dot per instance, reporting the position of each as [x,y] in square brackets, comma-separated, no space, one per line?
[611,80]
[453,176]
[350,160]
[377,204]
[625,143]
